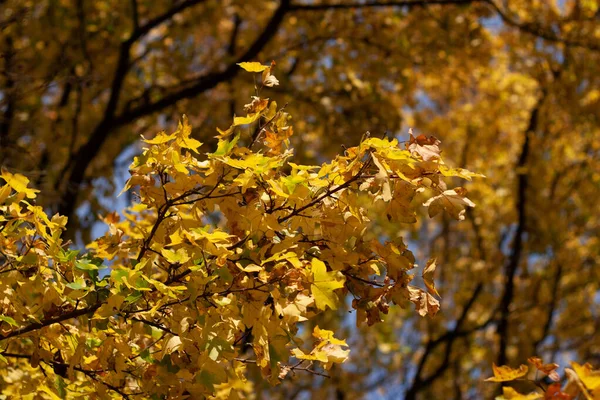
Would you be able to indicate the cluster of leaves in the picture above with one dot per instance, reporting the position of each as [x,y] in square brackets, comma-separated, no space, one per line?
[216,265]
[510,87]
[583,382]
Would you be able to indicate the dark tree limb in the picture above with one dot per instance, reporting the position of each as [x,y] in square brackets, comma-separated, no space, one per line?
[52,320]
[89,373]
[110,122]
[542,32]
[450,336]
[514,257]
[554,298]
[9,96]
[379,4]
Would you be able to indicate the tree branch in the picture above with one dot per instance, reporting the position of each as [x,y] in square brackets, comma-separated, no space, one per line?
[541,32]
[110,121]
[379,4]
[210,80]
[554,298]
[9,96]
[53,320]
[517,246]
[328,193]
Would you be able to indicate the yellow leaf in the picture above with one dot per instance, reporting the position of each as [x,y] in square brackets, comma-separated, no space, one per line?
[49,391]
[297,309]
[250,118]
[184,140]
[4,193]
[460,172]
[453,201]
[589,376]
[324,334]
[253,66]
[324,284]
[509,393]
[505,373]
[314,356]
[335,354]
[224,133]
[19,183]
[179,256]
[160,138]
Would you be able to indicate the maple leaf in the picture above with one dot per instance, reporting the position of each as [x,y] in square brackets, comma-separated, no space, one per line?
[253,66]
[328,349]
[160,138]
[505,373]
[426,303]
[183,135]
[548,369]
[316,355]
[509,393]
[257,105]
[428,277]
[324,284]
[271,81]
[428,148]
[588,376]
[554,392]
[4,193]
[268,79]
[250,118]
[452,201]
[399,208]
[19,183]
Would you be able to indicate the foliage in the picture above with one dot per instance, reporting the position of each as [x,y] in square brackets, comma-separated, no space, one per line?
[582,381]
[509,86]
[169,304]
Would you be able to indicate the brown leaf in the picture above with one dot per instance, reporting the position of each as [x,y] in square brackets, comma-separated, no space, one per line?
[428,277]
[453,201]
[505,373]
[426,147]
[426,303]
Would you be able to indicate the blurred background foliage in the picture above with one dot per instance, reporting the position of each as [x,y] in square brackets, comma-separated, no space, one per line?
[510,87]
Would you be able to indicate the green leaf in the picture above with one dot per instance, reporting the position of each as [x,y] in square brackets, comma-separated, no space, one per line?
[146,356]
[86,264]
[224,147]
[93,342]
[91,266]
[78,284]
[133,297]
[8,320]
[67,255]
[61,387]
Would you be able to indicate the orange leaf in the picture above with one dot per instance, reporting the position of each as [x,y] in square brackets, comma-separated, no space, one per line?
[548,369]
[554,392]
[505,373]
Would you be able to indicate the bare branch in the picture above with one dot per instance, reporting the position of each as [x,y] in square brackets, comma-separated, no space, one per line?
[539,31]
[514,258]
[53,320]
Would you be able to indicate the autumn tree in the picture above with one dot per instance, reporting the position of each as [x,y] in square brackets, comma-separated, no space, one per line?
[216,265]
[510,88]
